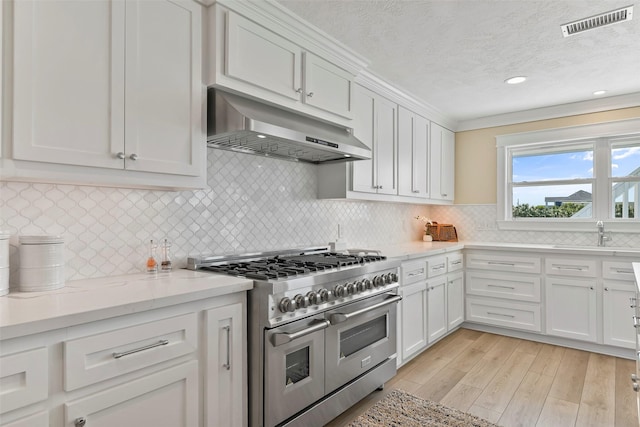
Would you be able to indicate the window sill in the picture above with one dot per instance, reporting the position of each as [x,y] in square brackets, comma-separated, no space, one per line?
[620,226]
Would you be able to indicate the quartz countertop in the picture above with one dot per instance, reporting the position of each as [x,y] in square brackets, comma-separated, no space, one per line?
[82,301]
[417,249]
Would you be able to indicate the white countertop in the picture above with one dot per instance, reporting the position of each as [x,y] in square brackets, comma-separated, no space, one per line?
[417,249]
[82,301]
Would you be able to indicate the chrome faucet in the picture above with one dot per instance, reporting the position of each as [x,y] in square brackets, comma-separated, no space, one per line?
[601,237]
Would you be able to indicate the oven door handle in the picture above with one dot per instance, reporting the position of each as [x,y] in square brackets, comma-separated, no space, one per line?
[280,338]
[343,317]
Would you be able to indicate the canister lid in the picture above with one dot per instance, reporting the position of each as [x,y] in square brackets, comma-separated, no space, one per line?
[40,240]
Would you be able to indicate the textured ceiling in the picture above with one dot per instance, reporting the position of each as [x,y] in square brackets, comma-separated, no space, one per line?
[455,55]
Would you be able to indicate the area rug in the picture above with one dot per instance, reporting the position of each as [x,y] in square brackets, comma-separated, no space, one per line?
[402,409]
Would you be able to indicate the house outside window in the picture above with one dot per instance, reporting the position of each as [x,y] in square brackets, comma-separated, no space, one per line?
[569,178]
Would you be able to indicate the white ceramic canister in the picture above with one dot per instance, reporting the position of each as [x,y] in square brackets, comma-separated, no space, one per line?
[41,263]
[4,264]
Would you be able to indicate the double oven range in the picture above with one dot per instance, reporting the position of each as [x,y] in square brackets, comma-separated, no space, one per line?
[321,330]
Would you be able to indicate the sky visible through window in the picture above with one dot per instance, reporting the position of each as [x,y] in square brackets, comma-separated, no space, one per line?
[625,160]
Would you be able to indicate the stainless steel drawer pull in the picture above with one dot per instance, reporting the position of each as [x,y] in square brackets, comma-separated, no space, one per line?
[136,350]
[510,264]
[438,267]
[501,314]
[568,267]
[227,365]
[624,271]
[284,337]
[456,262]
[501,286]
[416,273]
[343,317]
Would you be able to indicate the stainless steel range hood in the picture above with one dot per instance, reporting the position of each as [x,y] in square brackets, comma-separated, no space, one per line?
[247,126]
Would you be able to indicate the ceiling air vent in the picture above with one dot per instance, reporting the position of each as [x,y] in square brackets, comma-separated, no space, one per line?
[604,19]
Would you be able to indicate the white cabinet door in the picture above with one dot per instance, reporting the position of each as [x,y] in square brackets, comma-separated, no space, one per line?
[571,308]
[69,82]
[327,86]
[163,128]
[225,361]
[262,58]
[165,399]
[375,125]
[413,161]
[363,179]
[414,319]
[385,147]
[437,308]
[455,300]
[617,314]
[442,163]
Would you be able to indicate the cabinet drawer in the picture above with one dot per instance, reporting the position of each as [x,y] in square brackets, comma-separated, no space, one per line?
[106,355]
[617,270]
[454,262]
[570,267]
[504,262]
[166,398]
[413,272]
[436,266]
[503,313]
[503,285]
[24,379]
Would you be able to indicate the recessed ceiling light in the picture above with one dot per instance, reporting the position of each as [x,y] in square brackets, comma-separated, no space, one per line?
[515,80]
[599,92]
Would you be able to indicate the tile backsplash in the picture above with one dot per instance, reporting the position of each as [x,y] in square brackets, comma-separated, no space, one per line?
[252,204]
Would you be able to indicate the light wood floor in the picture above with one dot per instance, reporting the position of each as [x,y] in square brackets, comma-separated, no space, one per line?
[514,382]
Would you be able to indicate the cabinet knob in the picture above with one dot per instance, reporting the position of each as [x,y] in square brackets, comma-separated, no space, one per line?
[120,155]
[444,195]
[310,95]
[591,287]
[80,422]
[606,289]
[634,378]
[133,157]
[415,191]
[299,90]
[380,187]
[636,387]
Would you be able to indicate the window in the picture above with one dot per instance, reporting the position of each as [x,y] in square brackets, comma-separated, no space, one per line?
[568,178]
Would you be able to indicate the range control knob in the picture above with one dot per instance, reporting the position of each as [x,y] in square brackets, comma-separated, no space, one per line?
[361,286]
[324,295]
[368,283]
[388,279]
[394,277]
[314,298]
[378,281]
[339,291]
[287,305]
[301,301]
[351,288]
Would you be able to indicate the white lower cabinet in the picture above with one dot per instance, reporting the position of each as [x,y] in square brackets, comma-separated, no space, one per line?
[177,366]
[432,302]
[617,313]
[436,308]
[571,309]
[165,399]
[225,391]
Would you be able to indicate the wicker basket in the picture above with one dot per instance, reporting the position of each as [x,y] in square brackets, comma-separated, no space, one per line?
[442,232]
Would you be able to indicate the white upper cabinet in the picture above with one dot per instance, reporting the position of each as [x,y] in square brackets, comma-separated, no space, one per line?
[111,85]
[375,125]
[413,154]
[442,163]
[258,61]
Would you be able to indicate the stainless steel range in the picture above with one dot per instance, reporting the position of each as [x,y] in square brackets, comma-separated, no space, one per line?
[321,328]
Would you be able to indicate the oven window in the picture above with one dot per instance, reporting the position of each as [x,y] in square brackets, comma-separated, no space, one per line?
[297,366]
[361,336]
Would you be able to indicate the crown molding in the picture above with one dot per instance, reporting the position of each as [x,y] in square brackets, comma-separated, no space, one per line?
[552,112]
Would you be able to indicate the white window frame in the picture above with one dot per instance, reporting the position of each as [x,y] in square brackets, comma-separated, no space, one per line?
[574,134]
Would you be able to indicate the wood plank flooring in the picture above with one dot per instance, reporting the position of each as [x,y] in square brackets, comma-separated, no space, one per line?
[514,382]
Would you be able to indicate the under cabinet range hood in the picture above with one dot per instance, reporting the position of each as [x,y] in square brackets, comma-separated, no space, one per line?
[243,125]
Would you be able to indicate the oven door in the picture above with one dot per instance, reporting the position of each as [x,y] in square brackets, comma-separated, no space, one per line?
[361,336]
[294,368]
